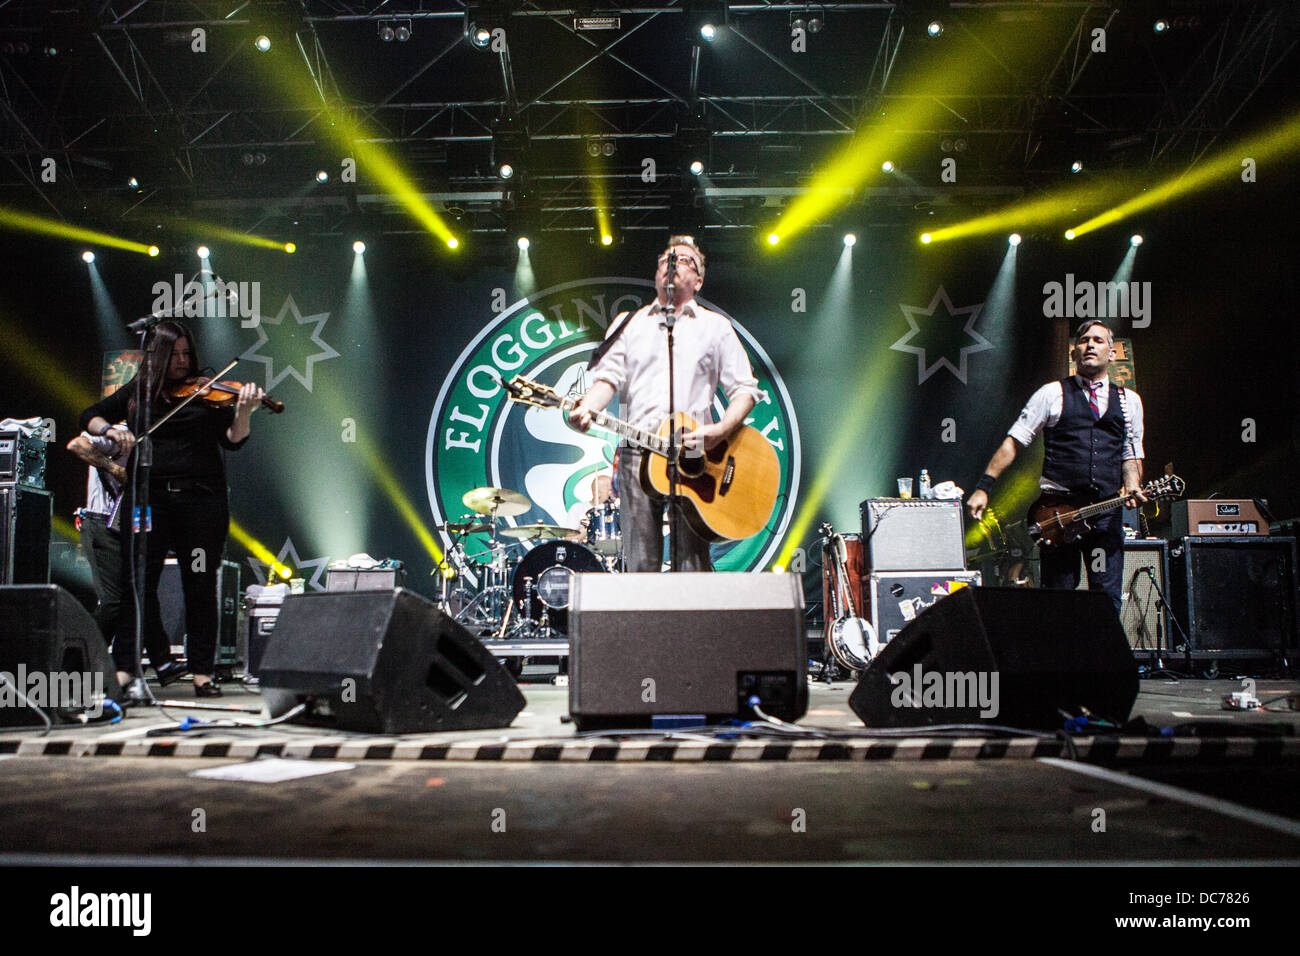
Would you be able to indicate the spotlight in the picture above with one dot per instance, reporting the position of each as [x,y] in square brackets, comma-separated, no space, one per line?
[506,171]
[773,238]
[1160,26]
[708,31]
[386,32]
[87,257]
[359,247]
[1135,240]
[203,252]
[523,243]
[850,239]
[1014,239]
[593,147]
[607,147]
[290,248]
[453,243]
[133,183]
[935,29]
[480,36]
[322,176]
[887,167]
[1076,167]
[798,23]
[926,238]
[814,25]
[697,167]
[606,239]
[263,43]
[404,31]
[286,573]
[153,252]
[1069,234]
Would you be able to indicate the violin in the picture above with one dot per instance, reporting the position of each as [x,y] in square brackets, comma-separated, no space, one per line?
[217,394]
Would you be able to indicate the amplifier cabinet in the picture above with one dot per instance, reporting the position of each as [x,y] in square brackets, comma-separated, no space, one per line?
[912,534]
[171,600]
[1142,615]
[1236,596]
[22,459]
[25,516]
[1220,516]
[897,597]
[363,579]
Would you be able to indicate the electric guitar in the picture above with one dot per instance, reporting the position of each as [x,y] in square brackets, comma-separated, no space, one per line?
[1054,520]
[729,490]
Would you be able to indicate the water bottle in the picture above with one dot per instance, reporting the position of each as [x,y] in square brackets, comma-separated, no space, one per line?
[924,485]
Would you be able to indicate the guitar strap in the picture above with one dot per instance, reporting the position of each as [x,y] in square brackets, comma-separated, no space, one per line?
[1123,408]
[605,346]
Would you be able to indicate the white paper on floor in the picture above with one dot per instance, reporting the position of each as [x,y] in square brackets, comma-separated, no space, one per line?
[272,770]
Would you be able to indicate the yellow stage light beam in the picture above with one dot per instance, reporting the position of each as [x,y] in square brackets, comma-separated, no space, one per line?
[258,550]
[1010,500]
[26,222]
[1225,167]
[44,370]
[1046,209]
[210,231]
[64,528]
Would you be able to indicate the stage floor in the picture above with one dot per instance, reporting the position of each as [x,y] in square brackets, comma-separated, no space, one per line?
[536,793]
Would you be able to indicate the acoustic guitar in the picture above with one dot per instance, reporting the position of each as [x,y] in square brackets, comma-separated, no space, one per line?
[728,490]
[1055,520]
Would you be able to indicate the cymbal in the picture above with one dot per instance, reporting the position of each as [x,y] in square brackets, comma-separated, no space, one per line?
[464,527]
[505,502]
[541,532]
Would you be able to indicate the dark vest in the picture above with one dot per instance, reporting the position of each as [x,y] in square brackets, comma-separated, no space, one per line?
[1082,453]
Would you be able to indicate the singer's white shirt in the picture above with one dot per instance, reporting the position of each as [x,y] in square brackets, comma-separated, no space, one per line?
[707,354]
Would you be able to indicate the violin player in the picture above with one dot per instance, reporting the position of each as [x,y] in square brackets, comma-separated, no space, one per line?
[187,495]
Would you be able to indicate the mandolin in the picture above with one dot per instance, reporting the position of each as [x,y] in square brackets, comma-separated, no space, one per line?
[729,490]
[1055,520]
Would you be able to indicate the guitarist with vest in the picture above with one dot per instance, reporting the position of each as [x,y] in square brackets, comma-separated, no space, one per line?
[632,363]
[1092,430]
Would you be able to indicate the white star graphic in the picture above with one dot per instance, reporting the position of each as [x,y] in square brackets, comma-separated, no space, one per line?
[923,369]
[274,378]
[288,556]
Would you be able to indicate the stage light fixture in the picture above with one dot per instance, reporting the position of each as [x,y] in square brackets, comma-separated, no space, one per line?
[322,176]
[386,31]
[1160,26]
[608,147]
[1076,167]
[773,238]
[926,238]
[1069,234]
[480,36]
[153,252]
[359,247]
[263,43]
[133,183]
[290,248]
[523,243]
[506,171]
[1135,240]
[593,147]
[87,257]
[935,28]
[887,166]
[798,23]
[453,243]
[850,239]
[203,252]
[606,239]
[403,31]
[814,25]
[708,31]
[697,167]
[1013,239]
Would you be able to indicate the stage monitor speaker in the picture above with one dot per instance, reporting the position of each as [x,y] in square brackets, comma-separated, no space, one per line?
[1049,651]
[912,534]
[45,631]
[385,662]
[1141,614]
[645,648]
[1236,595]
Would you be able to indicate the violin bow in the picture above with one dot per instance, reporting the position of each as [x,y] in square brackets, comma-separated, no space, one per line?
[233,363]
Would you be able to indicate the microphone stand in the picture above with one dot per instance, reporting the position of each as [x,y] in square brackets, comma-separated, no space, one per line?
[670,320]
[141,519]
[1187,644]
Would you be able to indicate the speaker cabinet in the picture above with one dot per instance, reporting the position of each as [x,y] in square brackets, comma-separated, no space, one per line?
[171,602]
[911,534]
[44,630]
[1236,595]
[385,662]
[1007,656]
[25,516]
[647,646]
[1141,614]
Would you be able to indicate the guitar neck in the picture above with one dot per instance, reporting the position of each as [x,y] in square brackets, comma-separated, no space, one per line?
[637,436]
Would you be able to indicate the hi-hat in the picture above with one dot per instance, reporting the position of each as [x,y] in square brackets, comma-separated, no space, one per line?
[464,527]
[498,501]
[541,532]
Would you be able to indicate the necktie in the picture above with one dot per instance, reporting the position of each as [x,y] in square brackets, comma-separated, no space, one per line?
[1092,399]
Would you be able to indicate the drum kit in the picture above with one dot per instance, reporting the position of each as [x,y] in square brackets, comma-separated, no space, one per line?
[523,572]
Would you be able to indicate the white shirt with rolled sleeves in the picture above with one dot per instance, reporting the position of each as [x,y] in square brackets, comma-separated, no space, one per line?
[707,354]
[1043,410]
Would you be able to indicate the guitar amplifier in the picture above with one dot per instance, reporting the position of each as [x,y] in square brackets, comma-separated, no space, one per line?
[171,602]
[364,579]
[25,517]
[895,598]
[1217,516]
[22,459]
[1141,614]
[912,534]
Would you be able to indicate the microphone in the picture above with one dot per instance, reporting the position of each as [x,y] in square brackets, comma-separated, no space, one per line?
[671,282]
[145,323]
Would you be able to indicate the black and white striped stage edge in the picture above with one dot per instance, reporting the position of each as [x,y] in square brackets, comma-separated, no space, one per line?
[1096,749]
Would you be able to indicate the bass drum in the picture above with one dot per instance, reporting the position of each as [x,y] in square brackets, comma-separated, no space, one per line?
[552,565]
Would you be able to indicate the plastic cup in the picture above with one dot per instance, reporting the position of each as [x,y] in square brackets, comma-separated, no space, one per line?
[904,487]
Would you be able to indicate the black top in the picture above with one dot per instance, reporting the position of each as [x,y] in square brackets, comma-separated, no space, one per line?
[1081,452]
[187,446]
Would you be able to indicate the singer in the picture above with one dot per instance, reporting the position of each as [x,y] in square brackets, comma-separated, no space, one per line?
[632,363]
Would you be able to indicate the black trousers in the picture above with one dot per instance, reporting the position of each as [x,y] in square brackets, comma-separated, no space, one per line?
[104,552]
[642,522]
[1102,551]
[192,522]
